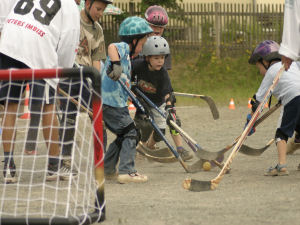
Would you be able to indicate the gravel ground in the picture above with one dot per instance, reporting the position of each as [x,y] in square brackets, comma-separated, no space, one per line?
[244,196]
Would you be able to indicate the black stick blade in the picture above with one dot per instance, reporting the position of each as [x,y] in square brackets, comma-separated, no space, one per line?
[197,185]
[246,150]
[196,166]
[204,154]
[212,106]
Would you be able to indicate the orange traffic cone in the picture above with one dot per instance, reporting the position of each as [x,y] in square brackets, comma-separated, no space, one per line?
[249,103]
[231,104]
[26,114]
[131,107]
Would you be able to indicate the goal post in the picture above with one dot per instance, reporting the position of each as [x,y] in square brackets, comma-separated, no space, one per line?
[78,200]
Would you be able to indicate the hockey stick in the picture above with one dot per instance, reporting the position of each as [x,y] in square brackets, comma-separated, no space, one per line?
[61,91]
[156,128]
[208,99]
[193,145]
[198,185]
[256,152]
[165,159]
[215,155]
[162,152]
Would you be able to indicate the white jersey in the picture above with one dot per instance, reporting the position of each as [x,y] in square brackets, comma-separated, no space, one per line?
[290,45]
[5,8]
[288,86]
[42,34]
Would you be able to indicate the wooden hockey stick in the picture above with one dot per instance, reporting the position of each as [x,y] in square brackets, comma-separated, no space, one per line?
[188,139]
[165,159]
[208,99]
[161,152]
[198,185]
[155,127]
[192,143]
[61,91]
[215,155]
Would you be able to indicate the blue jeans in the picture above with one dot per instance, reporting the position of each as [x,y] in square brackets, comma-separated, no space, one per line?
[123,148]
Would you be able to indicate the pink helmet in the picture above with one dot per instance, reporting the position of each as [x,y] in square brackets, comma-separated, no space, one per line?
[156,15]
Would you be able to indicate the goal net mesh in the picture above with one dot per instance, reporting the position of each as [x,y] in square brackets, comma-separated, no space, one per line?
[32,196]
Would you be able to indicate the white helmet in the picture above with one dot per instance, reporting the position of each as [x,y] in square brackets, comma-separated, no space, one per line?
[155,45]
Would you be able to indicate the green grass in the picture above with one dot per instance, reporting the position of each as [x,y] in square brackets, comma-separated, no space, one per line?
[221,79]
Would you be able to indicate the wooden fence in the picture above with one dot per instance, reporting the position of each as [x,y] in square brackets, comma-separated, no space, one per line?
[225,29]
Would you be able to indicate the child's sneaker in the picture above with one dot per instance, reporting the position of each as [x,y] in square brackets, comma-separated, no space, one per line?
[278,170]
[66,172]
[9,173]
[184,154]
[133,177]
[52,174]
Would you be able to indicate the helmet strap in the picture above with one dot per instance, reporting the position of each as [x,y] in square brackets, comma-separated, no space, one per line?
[133,46]
[87,13]
[264,65]
[149,64]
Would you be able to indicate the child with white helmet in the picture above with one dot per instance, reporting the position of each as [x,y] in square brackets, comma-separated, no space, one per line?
[133,33]
[153,80]
[157,18]
[268,61]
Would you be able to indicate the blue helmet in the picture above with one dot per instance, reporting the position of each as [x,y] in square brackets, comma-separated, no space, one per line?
[134,28]
[267,50]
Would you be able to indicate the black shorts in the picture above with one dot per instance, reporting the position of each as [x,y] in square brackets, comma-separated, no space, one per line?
[38,94]
[11,91]
[76,89]
[290,120]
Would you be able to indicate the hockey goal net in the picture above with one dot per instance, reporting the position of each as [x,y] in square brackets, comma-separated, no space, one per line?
[32,198]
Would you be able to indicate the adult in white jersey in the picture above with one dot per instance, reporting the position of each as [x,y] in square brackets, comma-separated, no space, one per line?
[5,8]
[290,45]
[268,61]
[36,34]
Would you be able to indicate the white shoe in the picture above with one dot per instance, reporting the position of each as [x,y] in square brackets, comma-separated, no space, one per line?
[66,172]
[9,173]
[133,177]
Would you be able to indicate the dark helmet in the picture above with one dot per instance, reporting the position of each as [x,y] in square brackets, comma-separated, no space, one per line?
[134,28]
[92,2]
[104,1]
[267,50]
[156,15]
